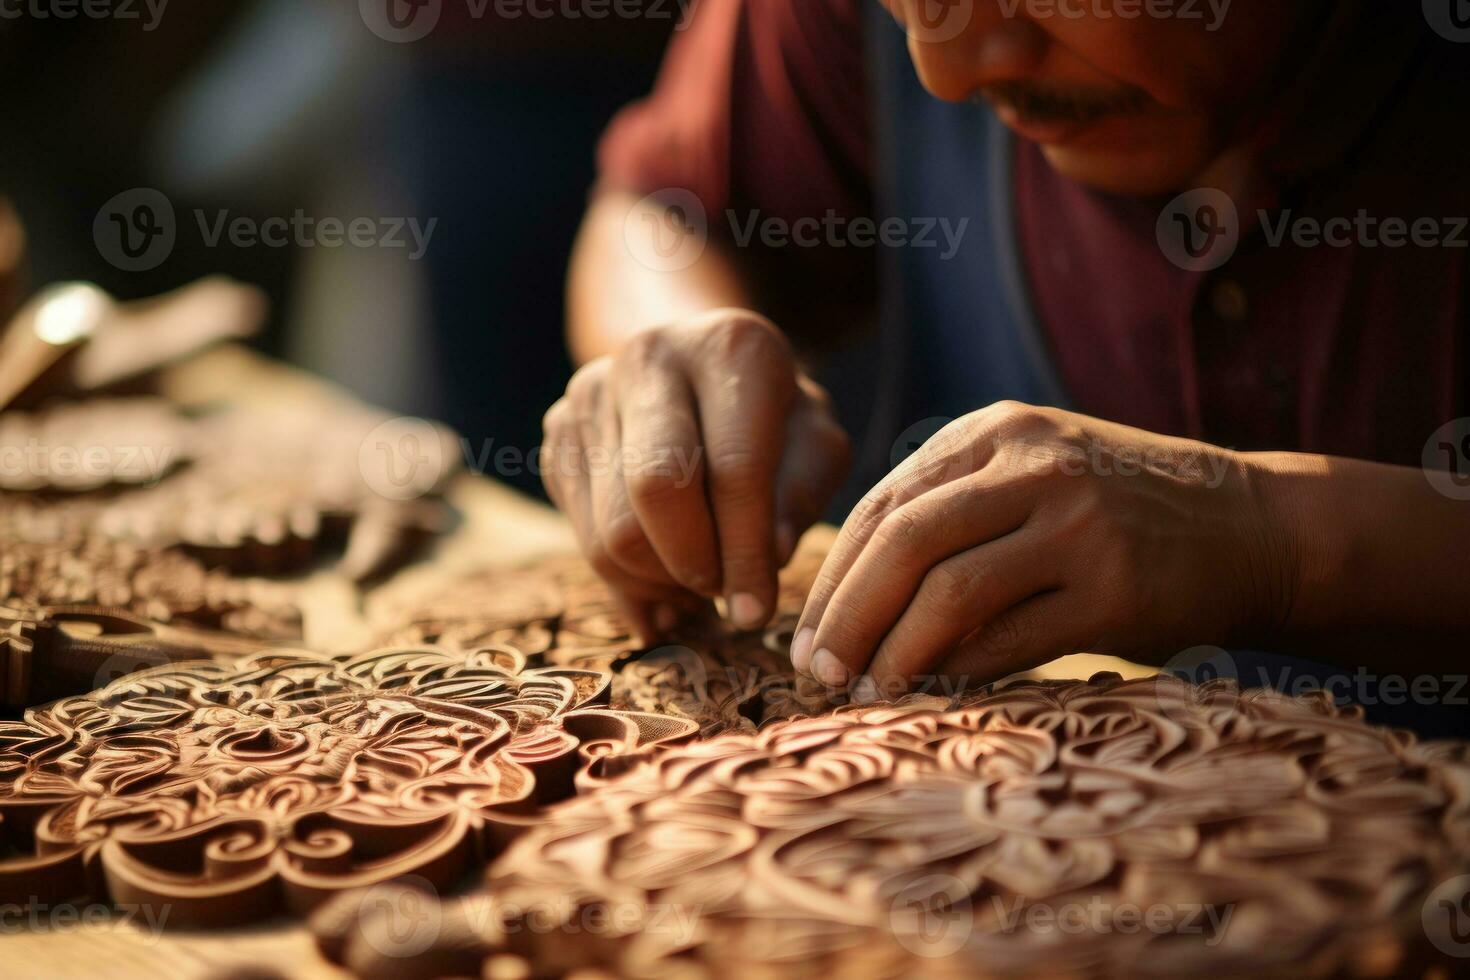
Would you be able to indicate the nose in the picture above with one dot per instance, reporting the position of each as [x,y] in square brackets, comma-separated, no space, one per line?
[957,46]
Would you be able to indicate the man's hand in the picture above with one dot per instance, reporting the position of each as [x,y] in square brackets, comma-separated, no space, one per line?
[1018,535]
[690,462]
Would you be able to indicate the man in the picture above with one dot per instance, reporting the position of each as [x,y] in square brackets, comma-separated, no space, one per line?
[1238,408]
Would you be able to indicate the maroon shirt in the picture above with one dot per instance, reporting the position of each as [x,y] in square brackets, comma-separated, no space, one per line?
[1355,350]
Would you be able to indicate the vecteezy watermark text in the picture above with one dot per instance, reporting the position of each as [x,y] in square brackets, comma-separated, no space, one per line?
[35,463]
[1185,10]
[1200,230]
[669,230]
[835,231]
[405,21]
[934,916]
[137,230]
[305,231]
[38,916]
[150,12]
[405,457]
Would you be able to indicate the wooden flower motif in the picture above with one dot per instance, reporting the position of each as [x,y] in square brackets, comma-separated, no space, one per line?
[1048,828]
[228,793]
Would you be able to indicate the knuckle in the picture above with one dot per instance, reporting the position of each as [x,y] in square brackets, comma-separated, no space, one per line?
[1009,634]
[654,485]
[875,506]
[623,539]
[643,351]
[737,464]
[603,563]
[555,421]
[586,385]
[902,535]
[747,337]
[1013,416]
[949,586]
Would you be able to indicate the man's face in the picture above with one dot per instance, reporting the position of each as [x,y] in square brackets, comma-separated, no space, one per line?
[1128,96]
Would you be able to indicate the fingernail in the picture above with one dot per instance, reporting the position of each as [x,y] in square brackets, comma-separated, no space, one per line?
[828,669]
[746,611]
[801,649]
[865,691]
[666,617]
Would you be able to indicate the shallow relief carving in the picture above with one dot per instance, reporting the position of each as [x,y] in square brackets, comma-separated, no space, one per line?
[231,793]
[1110,827]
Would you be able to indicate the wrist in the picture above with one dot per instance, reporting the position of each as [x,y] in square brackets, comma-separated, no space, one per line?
[1301,548]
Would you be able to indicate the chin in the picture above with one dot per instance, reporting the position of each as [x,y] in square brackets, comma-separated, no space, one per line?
[1134,164]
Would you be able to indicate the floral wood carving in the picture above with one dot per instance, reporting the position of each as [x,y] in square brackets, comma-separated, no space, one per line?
[230,793]
[1269,835]
[161,584]
[253,490]
[559,610]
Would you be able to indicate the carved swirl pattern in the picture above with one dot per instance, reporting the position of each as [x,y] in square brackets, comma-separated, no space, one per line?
[161,584]
[250,490]
[230,793]
[1263,834]
[559,610]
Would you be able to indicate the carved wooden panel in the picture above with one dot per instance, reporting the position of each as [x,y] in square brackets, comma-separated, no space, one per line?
[1161,829]
[162,584]
[251,490]
[230,793]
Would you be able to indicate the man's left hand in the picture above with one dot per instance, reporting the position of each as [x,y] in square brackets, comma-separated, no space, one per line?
[1019,534]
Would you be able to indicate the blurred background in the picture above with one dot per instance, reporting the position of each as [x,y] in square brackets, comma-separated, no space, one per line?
[480,116]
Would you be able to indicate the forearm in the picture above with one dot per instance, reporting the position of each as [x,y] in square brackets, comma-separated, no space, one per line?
[613,293]
[1373,554]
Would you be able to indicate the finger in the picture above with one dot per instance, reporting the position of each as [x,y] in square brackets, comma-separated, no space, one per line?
[959,597]
[1035,632]
[921,559]
[666,482]
[651,612]
[958,450]
[618,529]
[745,386]
[815,463]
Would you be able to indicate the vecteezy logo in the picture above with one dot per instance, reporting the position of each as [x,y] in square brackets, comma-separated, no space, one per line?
[1446,916]
[932,916]
[402,459]
[1199,230]
[1449,18]
[686,673]
[120,665]
[1447,459]
[400,21]
[1196,667]
[135,230]
[668,230]
[400,918]
[945,467]
[937,21]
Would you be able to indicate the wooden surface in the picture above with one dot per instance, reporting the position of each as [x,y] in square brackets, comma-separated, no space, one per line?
[496,527]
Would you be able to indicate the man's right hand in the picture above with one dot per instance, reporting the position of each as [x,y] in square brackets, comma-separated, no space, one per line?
[690,462]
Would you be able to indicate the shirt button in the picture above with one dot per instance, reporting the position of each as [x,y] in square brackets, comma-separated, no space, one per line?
[1229,301]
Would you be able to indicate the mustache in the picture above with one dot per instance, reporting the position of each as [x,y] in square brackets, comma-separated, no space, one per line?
[1055,105]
